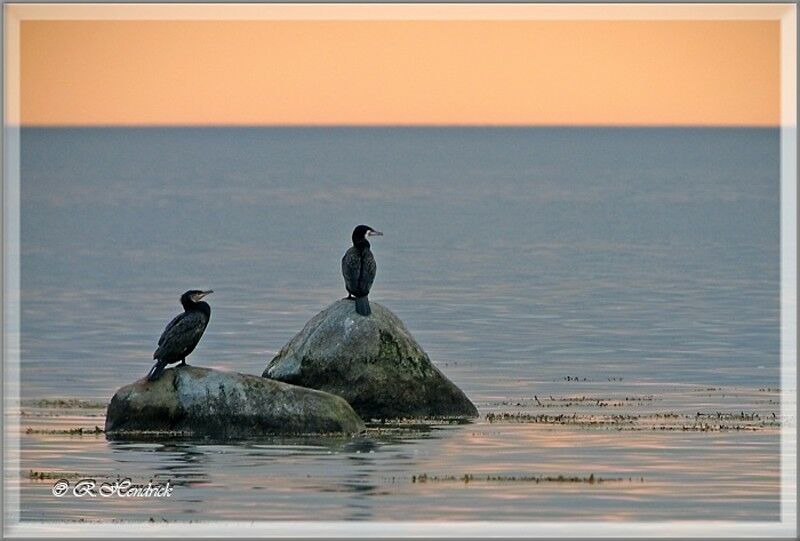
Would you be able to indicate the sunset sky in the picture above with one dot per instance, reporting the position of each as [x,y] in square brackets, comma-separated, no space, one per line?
[299,72]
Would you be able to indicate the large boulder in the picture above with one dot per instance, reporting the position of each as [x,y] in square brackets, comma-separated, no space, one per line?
[373,362]
[198,401]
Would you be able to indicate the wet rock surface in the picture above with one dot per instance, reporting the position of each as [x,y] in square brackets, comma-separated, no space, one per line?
[373,362]
[200,401]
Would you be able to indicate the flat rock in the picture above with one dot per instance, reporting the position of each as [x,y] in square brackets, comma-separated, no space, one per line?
[199,401]
[373,362]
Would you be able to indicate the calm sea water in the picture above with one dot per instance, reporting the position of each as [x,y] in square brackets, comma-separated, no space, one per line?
[643,262]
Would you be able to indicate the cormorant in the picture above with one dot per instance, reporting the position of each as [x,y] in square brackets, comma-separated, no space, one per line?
[183,333]
[358,268]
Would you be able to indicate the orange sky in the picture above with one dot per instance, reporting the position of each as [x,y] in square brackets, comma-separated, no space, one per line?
[400,72]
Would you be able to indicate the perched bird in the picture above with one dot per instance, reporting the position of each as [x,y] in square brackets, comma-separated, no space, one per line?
[358,268]
[183,333]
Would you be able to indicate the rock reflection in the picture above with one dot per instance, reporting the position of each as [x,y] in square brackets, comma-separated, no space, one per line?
[184,464]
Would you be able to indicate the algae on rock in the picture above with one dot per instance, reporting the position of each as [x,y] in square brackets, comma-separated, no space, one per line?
[199,401]
[373,362]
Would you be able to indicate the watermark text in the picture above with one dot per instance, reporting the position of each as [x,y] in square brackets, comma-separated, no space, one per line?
[121,488]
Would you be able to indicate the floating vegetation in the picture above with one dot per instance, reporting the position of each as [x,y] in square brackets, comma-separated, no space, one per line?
[41,475]
[419,423]
[410,428]
[396,432]
[64,403]
[587,380]
[79,431]
[561,419]
[577,401]
[55,413]
[470,478]
[699,422]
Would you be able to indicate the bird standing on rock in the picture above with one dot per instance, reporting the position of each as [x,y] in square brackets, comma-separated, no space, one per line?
[183,333]
[359,267]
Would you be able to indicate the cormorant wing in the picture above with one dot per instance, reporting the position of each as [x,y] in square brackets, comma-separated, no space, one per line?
[168,327]
[358,269]
[351,269]
[368,270]
[182,334]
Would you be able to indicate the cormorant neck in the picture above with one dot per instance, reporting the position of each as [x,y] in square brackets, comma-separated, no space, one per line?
[361,243]
[201,306]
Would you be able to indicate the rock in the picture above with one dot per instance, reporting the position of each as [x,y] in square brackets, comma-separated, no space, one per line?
[199,401]
[372,362]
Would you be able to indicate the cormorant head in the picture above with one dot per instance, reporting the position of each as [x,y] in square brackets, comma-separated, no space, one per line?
[194,296]
[363,231]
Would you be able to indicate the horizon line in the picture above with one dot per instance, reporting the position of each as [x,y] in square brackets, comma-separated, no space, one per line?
[392,125]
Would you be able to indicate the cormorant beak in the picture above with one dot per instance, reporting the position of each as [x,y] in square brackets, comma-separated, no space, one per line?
[203,294]
[373,233]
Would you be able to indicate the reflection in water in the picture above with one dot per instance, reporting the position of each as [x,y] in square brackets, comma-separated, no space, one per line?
[565,262]
[181,463]
[637,474]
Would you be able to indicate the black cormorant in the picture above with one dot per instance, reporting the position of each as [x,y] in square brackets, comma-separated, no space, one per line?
[183,333]
[358,268]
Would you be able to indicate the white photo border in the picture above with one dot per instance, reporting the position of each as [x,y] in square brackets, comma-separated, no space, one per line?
[14,14]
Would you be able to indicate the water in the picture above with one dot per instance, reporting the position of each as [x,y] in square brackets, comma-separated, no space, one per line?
[644,262]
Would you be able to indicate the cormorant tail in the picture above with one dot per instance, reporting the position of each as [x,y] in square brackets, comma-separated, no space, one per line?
[362,306]
[156,371]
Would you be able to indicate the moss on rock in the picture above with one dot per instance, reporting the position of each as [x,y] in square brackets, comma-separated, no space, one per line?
[200,401]
[373,362]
